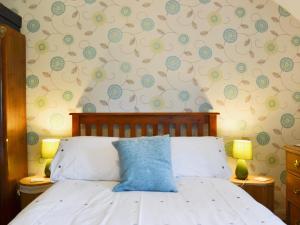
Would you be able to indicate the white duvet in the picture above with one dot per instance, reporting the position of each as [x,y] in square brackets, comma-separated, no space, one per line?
[199,201]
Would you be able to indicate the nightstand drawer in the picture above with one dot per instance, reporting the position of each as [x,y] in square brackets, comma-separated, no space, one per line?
[293,162]
[293,189]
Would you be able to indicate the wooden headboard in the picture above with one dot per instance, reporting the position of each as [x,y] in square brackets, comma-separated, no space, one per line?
[144,124]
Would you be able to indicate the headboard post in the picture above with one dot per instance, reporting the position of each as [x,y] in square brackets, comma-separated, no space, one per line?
[212,125]
[75,125]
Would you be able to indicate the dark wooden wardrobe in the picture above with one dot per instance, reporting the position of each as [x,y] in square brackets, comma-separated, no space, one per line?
[13,146]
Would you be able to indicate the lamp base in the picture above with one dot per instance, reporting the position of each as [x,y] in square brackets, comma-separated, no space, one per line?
[241,170]
[47,168]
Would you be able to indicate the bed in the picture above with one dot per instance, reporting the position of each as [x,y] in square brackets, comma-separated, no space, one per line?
[198,201]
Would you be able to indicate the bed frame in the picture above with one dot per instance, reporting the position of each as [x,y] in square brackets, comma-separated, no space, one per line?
[144,124]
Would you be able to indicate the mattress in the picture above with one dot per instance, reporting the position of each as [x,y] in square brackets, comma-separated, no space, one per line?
[199,201]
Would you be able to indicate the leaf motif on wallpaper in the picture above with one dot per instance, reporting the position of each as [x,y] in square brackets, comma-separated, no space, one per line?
[45,88]
[130,25]
[260,6]
[275,89]
[30,118]
[247,42]
[220,46]
[78,81]
[220,102]
[74,70]
[31,61]
[248,98]
[33,6]
[252,110]
[189,14]
[79,25]
[277,131]
[103,4]
[298,54]
[277,75]
[46,32]
[275,145]
[251,54]
[262,118]
[245,82]
[252,167]
[187,53]
[161,17]
[275,19]
[146,60]
[47,18]
[136,53]
[195,82]
[132,41]
[161,88]
[203,33]
[162,74]
[245,26]
[88,33]
[261,61]
[218,4]
[194,25]
[46,74]
[132,98]
[146,4]
[188,110]
[136,109]
[103,102]
[88,89]
[129,81]
[75,14]
[274,33]
[190,69]
[205,89]
[103,45]
[161,31]
[71,53]
[218,60]
[102,59]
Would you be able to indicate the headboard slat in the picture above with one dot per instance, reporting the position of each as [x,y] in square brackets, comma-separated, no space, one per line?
[127,123]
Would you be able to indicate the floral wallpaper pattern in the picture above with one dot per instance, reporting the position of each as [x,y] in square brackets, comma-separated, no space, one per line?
[240,58]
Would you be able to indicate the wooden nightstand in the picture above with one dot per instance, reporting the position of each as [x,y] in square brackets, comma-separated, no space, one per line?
[261,191]
[29,188]
[293,184]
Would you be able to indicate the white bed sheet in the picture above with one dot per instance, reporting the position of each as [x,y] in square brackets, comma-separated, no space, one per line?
[199,201]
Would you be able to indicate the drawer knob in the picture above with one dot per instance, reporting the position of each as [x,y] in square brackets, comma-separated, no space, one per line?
[297,164]
[297,192]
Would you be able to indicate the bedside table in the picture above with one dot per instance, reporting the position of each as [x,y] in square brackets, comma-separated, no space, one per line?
[32,187]
[261,191]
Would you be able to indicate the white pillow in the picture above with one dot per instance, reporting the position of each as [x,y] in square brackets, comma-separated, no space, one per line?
[199,156]
[86,158]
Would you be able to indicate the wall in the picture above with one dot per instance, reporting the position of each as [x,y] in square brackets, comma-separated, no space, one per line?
[240,59]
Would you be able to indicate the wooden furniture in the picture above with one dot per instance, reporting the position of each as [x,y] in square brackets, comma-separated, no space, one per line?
[30,188]
[13,147]
[261,191]
[293,185]
[143,124]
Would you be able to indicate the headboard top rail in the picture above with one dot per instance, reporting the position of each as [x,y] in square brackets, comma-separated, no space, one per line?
[141,123]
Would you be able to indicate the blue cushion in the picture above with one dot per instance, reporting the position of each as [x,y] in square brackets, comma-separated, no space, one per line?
[145,164]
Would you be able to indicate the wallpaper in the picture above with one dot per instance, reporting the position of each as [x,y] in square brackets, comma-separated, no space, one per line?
[239,58]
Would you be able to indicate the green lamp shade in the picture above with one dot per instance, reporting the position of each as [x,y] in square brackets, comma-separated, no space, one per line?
[242,150]
[49,148]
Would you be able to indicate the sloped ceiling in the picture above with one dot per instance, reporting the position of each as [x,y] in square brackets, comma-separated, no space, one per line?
[293,6]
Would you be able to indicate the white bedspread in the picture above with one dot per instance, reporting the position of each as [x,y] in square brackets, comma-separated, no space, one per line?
[199,202]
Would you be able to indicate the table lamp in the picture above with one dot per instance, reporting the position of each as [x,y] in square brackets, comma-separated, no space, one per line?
[242,150]
[49,148]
